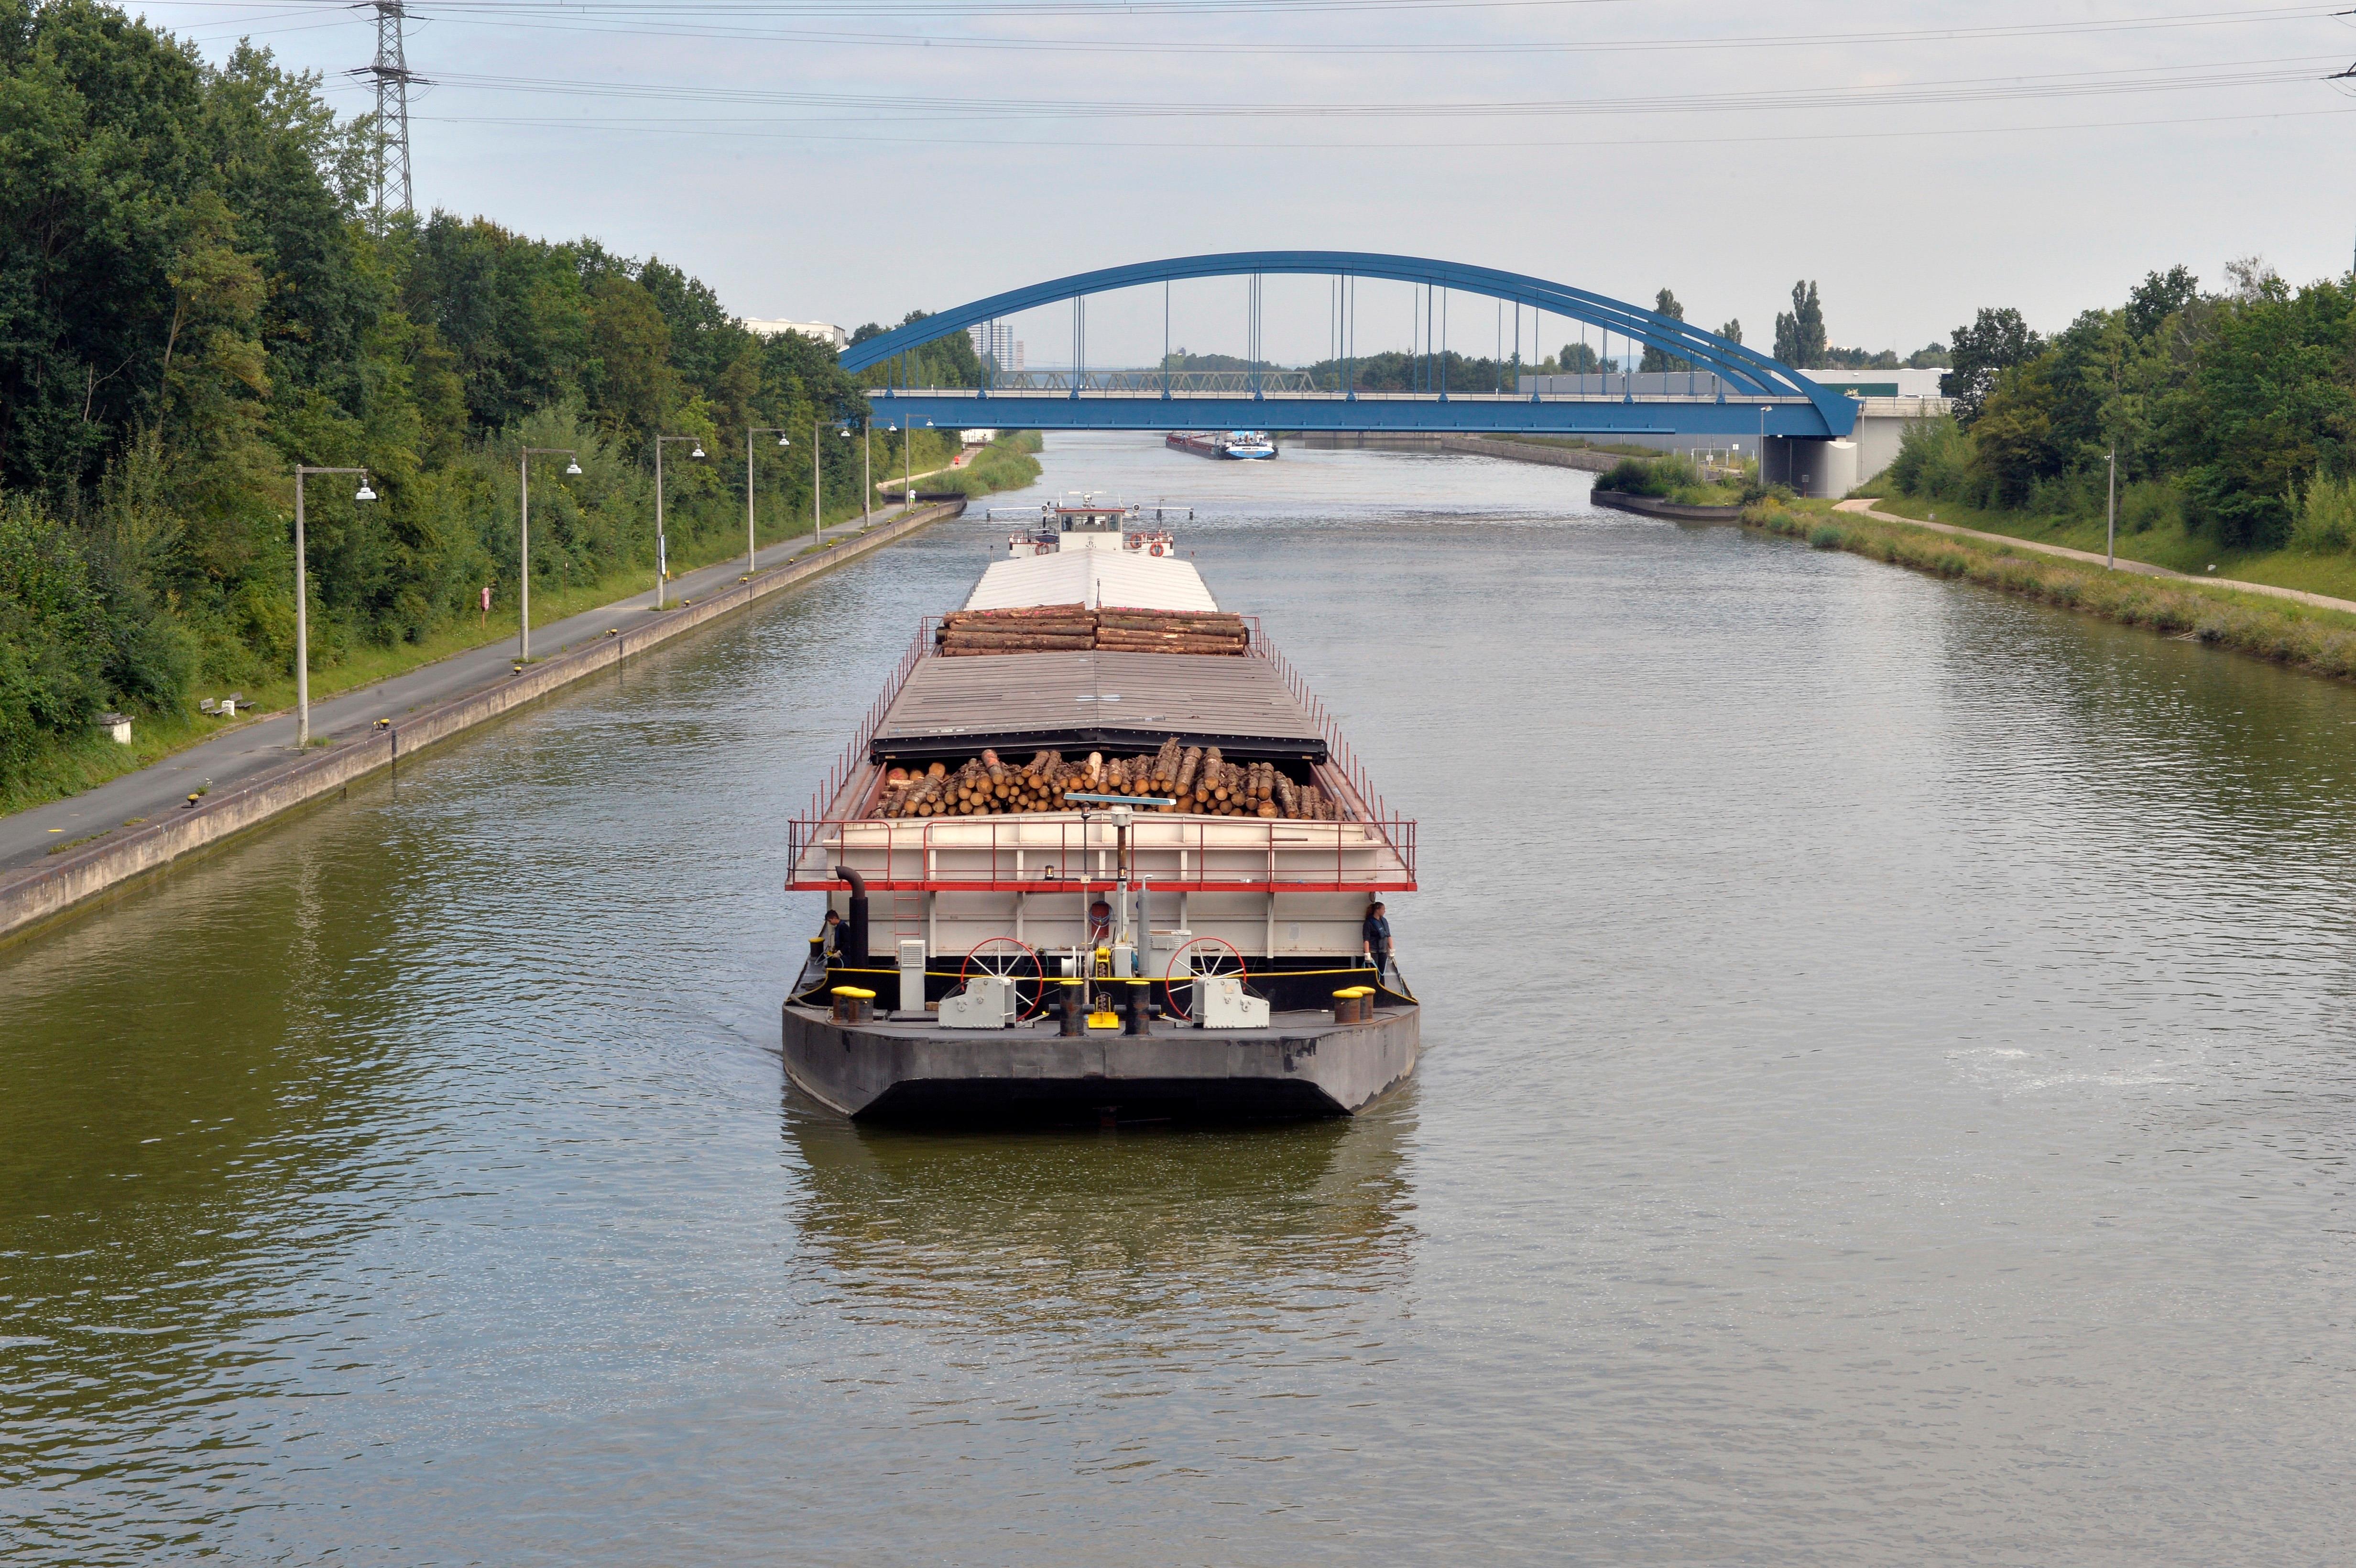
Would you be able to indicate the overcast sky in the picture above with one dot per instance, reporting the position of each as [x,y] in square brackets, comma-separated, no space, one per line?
[849,161]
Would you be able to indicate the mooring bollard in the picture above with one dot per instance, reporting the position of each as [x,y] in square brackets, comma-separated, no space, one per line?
[1354,1004]
[853,1006]
[1141,1003]
[1073,1005]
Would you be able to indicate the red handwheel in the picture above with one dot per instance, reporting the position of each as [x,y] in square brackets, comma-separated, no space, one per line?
[1203,956]
[1017,961]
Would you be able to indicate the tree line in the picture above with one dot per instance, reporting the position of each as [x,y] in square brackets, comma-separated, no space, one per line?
[192,302]
[2229,412]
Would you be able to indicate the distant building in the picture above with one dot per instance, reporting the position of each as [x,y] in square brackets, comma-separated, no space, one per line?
[1893,383]
[996,339]
[824,331]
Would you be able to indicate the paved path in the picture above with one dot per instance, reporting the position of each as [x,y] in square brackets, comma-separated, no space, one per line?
[2139,567]
[247,748]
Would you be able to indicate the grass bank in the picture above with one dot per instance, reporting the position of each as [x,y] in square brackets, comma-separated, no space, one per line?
[1006,464]
[2307,637]
[68,767]
[2164,542]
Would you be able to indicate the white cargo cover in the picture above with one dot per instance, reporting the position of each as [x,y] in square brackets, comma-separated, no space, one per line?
[1095,578]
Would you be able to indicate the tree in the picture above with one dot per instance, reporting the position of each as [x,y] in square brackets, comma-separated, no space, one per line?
[1995,341]
[1731,331]
[1578,359]
[1800,340]
[1660,359]
[2268,405]
[2159,296]
[632,386]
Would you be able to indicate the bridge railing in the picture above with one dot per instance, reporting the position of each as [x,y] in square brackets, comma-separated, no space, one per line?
[1225,383]
[1154,392]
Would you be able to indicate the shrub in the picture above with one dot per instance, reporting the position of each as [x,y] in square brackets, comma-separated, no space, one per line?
[1823,536]
[1631,476]
[1934,459]
[2323,520]
[2151,504]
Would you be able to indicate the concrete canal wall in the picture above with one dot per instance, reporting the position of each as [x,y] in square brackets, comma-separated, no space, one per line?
[36,894]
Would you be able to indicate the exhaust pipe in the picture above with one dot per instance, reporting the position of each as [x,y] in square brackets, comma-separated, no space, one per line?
[854,941]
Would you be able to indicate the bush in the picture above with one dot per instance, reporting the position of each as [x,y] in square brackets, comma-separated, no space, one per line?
[1670,477]
[2323,520]
[2151,504]
[1823,536]
[1933,460]
[1631,476]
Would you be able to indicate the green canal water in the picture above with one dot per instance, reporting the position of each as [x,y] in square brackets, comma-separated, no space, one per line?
[1889,1092]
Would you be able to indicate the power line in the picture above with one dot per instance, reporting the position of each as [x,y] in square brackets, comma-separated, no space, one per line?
[934,106]
[674,26]
[798,132]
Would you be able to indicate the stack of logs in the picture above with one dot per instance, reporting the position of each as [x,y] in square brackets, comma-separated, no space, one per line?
[1075,628]
[1199,782]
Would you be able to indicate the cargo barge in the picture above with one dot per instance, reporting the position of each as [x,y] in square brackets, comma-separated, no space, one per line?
[1242,446]
[1096,855]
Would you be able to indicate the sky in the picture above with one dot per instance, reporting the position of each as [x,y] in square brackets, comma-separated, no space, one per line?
[851,160]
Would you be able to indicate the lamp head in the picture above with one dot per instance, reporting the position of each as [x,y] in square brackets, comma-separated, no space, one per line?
[573,466]
[364,493]
[784,439]
[699,449]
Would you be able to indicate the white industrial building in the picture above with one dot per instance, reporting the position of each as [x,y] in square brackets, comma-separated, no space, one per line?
[824,331]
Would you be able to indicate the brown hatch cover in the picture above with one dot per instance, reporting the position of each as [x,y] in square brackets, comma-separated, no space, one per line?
[954,707]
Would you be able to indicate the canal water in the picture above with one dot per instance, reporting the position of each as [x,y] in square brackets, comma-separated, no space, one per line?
[1887,1100]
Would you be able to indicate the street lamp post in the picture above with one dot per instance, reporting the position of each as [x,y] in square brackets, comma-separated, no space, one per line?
[662,555]
[2111,517]
[867,477]
[752,545]
[1763,446]
[523,547]
[303,602]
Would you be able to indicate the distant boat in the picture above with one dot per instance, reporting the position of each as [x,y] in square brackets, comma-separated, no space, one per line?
[1240,444]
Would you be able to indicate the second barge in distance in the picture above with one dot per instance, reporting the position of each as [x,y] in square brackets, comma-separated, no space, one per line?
[1097,855]
[1243,445]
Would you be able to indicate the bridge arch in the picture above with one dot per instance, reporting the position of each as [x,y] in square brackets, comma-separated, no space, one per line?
[1749,372]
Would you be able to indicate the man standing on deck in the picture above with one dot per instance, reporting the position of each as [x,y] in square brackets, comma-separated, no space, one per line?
[1377,940]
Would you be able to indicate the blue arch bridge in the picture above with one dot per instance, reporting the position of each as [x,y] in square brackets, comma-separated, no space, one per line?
[1725,394]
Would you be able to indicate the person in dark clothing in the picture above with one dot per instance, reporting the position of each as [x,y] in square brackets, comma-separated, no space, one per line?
[834,932]
[1376,936]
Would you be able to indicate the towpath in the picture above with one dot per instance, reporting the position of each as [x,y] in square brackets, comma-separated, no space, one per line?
[243,750]
[1865,508]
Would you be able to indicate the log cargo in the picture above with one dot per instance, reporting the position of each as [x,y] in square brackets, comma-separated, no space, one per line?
[1069,628]
[1199,783]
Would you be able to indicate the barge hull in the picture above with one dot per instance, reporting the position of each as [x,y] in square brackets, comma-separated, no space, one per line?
[1303,1065]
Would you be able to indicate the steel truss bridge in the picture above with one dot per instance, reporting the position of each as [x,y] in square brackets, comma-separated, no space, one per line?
[1753,394]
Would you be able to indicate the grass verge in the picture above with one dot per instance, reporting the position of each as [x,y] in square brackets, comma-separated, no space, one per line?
[2171,545]
[2305,637]
[1006,464]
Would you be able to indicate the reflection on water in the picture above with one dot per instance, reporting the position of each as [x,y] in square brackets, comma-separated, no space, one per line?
[1915,1128]
[1185,1236]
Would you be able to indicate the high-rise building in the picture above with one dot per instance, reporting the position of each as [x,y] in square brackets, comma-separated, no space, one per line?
[995,340]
